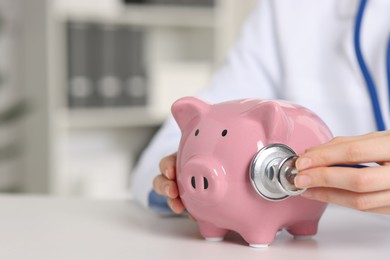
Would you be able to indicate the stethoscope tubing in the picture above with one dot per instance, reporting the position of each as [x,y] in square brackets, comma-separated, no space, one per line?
[370,84]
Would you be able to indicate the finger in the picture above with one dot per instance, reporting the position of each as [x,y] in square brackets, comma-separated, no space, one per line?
[367,179]
[367,150]
[373,201]
[381,210]
[176,205]
[168,165]
[165,187]
[345,139]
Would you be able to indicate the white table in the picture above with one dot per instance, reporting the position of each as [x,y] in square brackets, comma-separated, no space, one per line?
[40,228]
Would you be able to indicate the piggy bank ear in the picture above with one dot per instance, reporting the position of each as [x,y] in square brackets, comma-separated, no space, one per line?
[273,118]
[187,109]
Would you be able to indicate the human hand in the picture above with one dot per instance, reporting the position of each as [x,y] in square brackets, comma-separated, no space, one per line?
[165,183]
[365,189]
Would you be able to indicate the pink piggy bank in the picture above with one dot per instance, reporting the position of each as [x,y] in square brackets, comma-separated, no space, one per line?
[217,146]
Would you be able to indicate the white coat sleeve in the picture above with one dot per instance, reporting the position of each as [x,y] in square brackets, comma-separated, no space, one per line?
[252,70]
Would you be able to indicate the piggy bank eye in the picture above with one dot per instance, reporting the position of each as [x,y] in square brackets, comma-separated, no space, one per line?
[196,132]
[224,132]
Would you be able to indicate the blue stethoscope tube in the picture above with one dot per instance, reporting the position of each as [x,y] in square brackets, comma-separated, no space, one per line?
[365,72]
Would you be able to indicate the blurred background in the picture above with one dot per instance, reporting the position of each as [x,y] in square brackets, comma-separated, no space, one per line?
[84,84]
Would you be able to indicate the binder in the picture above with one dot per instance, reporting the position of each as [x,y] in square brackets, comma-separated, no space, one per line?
[109,84]
[80,87]
[94,61]
[132,66]
[174,2]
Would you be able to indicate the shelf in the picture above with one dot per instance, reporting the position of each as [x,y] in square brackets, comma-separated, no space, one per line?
[140,15]
[110,118]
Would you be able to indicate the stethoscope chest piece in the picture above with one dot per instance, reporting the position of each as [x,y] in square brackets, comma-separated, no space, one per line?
[272,172]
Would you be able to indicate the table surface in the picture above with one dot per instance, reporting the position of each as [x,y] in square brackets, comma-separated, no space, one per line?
[59,228]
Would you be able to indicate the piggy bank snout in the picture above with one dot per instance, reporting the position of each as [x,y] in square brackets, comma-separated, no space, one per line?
[203,180]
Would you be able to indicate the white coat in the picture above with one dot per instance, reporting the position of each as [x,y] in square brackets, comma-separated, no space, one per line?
[301,51]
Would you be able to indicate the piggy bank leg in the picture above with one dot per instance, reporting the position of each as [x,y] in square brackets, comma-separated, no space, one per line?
[211,232]
[260,238]
[304,230]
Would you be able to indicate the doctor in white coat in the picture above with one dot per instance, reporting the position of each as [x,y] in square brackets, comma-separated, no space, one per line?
[306,52]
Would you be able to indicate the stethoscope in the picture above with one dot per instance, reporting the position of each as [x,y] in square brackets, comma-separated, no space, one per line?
[272,170]
[364,69]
